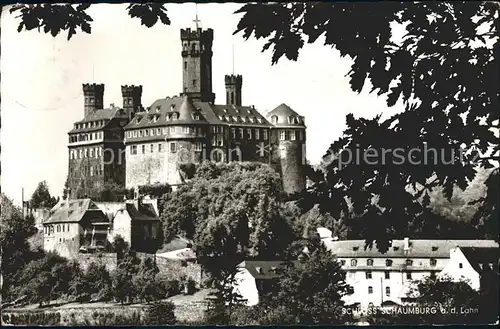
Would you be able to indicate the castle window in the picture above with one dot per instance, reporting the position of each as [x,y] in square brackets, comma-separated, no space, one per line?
[370,290]
[185,130]
[155,118]
[241,133]
[167,117]
[214,141]
[282,135]
[91,153]
[185,65]
[460,265]
[143,148]
[292,135]
[409,262]
[91,170]
[140,133]
[197,117]
[387,275]
[234,119]
[221,118]
[220,129]
[408,275]
[165,130]
[433,262]
[80,154]
[232,97]
[197,146]
[300,135]
[433,275]
[287,135]
[369,262]
[264,134]
[200,131]
[146,132]
[173,147]
[158,131]
[274,119]
[354,262]
[152,132]
[160,145]
[259,120]
[151,148]
[233,133]
[388,262]
[133,149]
[91,100]
[214,129]
[249,133]
[96,151]
[368,275]
[388,291]
[220,140]
[244,119]
[194,82]
[193,46]
[85,153]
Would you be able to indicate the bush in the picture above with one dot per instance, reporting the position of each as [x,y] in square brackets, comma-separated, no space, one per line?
[172,288]
[33,318]
[160,313]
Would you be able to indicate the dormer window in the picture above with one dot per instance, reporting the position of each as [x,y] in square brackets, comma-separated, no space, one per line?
[259,270]
[274,119]
[434,248]
[172,107]
[244,119]
[259,120]
[226,117]
[237,111]
[196,117]
[158,109]
[395,248]
[355,248]
[291,119]
[167,117]
[221,118]
[225,110]
[234,119]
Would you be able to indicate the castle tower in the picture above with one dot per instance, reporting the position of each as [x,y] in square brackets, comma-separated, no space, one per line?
[288,138]
[197,64]
[131,99]
[233,89]
[186,140]
[93,97]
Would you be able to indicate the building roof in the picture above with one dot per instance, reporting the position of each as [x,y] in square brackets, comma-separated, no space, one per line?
[479,257]
[71,211]
[144,212]
[263,269]
[418,248]
[102,114]
[286,117]
[161,109]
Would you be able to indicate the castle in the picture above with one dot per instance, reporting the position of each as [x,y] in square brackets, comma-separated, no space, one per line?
[133,145]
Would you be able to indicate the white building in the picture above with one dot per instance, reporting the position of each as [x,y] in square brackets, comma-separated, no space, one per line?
[383,278]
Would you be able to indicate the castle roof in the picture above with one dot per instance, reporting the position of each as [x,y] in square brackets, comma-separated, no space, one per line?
[286,117]
[264,269]
[162,111]
[479,257]
[71,211]
[102,114]
[418,248]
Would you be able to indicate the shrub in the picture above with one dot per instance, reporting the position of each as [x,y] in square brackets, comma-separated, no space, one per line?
[172,288]
[160,313]
[35,318]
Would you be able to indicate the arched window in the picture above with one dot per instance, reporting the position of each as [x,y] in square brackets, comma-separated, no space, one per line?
[354,262]
[232,97]
[370,290]
[185,46]
[369,262]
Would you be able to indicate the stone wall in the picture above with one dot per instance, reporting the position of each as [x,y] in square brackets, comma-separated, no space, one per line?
[147,168]
[175,269]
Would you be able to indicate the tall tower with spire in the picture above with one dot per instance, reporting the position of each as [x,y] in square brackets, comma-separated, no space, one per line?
[197,63]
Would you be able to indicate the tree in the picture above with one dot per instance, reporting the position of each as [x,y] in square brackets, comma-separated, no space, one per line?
[66,189]
[41,197]
[161,313]
[146,281]
[53,19]
[429,71]
[99,281]
[123,287]
[308,292]
[15,230]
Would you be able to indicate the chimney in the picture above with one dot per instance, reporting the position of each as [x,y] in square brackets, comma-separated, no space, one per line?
[93,97]
[406,245]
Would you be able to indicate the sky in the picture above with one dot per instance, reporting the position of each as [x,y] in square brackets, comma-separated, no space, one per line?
[42,76]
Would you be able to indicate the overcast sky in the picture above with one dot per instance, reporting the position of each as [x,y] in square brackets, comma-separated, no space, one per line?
[42,76]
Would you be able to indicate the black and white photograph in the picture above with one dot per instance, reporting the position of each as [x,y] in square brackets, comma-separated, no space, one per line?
[247,164]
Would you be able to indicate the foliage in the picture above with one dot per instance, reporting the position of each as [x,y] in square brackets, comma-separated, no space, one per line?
[155,190]
[120,246]
[46,279]
[128,267]
[14,247]
[66,189]
[34,318]
[54,18]
[146,283]
[160,313]
[41,197]
[429,71]
[108,192]
[99,282]
[307,292]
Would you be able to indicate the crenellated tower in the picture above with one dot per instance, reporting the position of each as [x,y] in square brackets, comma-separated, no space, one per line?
[93,97]
[132,102]
[233,89]
[197,64]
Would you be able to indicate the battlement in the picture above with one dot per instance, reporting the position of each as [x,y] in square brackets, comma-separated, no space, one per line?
[234,79]
[200,34]
[131,90]
[97,88]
